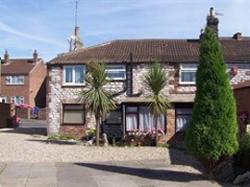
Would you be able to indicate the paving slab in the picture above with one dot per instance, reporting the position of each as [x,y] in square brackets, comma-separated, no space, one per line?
[102,174]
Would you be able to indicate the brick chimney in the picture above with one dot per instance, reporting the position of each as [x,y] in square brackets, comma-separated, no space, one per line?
[6,57]
[35,56]
[237,36]
[77,43]
[212,21]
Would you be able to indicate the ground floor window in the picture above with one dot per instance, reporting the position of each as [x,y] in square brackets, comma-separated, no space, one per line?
[73,114]
[17,100]
[114,117]
[183,116]
[139,117]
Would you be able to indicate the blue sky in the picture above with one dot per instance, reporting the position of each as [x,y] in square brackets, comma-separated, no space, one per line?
[45,25]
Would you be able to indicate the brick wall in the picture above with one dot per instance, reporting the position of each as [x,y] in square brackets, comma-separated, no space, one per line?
[243,105]
[15,90]
[37,88]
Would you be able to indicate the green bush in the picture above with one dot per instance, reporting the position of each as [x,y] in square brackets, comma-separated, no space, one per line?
[243,155]
[212,132]
[57,137]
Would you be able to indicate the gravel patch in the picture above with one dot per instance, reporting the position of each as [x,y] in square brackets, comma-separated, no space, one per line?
[20,147]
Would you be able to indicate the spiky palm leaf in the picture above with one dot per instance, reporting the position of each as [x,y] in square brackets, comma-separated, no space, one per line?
[155,81]
[98,101]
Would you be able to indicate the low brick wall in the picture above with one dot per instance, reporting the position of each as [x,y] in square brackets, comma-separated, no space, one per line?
[26,113]
[42,114]
[22,112]
[77,131]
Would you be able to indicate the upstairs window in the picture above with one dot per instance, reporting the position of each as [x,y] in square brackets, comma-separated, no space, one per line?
[116,72]
[15,80]
[188,73]
[74,75]
[17,100]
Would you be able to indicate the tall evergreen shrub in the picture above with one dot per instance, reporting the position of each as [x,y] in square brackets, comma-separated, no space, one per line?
[212,132]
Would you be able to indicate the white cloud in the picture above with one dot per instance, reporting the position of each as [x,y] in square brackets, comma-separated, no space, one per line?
[6,28]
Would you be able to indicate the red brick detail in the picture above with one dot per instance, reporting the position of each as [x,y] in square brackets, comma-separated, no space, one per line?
[170,123]
[77,131]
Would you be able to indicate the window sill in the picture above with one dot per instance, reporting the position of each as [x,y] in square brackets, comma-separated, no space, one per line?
[73,85]
[72,124]
[14,84]
[187,84]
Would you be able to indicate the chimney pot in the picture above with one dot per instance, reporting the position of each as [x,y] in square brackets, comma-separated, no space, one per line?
[6,57]
[237,36]
[212,21]
[35,56]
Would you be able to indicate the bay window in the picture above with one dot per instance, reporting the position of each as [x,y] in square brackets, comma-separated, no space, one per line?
[139,117]
[188,73]
[74,75]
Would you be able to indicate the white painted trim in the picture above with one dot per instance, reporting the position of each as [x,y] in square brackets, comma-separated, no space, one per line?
[73,75]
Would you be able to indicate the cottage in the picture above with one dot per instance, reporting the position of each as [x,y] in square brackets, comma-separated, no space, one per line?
[127,62]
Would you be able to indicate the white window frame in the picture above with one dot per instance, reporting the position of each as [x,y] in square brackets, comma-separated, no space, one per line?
[123,69]
[182,69]
[3,98]
[13,99]
[10,80]
[73,83]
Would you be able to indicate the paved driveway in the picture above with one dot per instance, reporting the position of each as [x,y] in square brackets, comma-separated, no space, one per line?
[101,174]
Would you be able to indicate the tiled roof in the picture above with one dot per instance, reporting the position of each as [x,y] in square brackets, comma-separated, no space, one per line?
[244,84]
[17,66]
[146,50]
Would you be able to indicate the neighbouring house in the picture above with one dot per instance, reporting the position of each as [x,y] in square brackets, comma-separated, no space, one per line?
[242,94]
[127,62]
[23,81]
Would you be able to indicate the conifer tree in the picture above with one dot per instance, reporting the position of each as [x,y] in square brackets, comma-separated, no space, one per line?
[212,132]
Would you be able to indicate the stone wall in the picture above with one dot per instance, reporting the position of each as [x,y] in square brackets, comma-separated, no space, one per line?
[58,94]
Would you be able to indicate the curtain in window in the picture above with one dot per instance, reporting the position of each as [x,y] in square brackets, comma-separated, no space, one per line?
[69,74]
[131,122]
[146,120]
[181,122]
[79,74]
[161,122]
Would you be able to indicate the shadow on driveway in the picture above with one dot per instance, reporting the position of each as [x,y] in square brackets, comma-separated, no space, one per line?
[152,174]
[21,130]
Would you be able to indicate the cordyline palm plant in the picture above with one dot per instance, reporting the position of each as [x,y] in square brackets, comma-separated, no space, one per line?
[155,81]
[97,100]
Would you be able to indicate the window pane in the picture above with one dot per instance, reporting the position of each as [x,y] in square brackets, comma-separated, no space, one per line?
[73,116]
[131,109]
[79,77]
[114,117]
[116,72]
[131,122]
[73,113]
[161,123]
[188,76]
[189,66]
[182,122]
[69,74]
[116,75]
[146,119]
